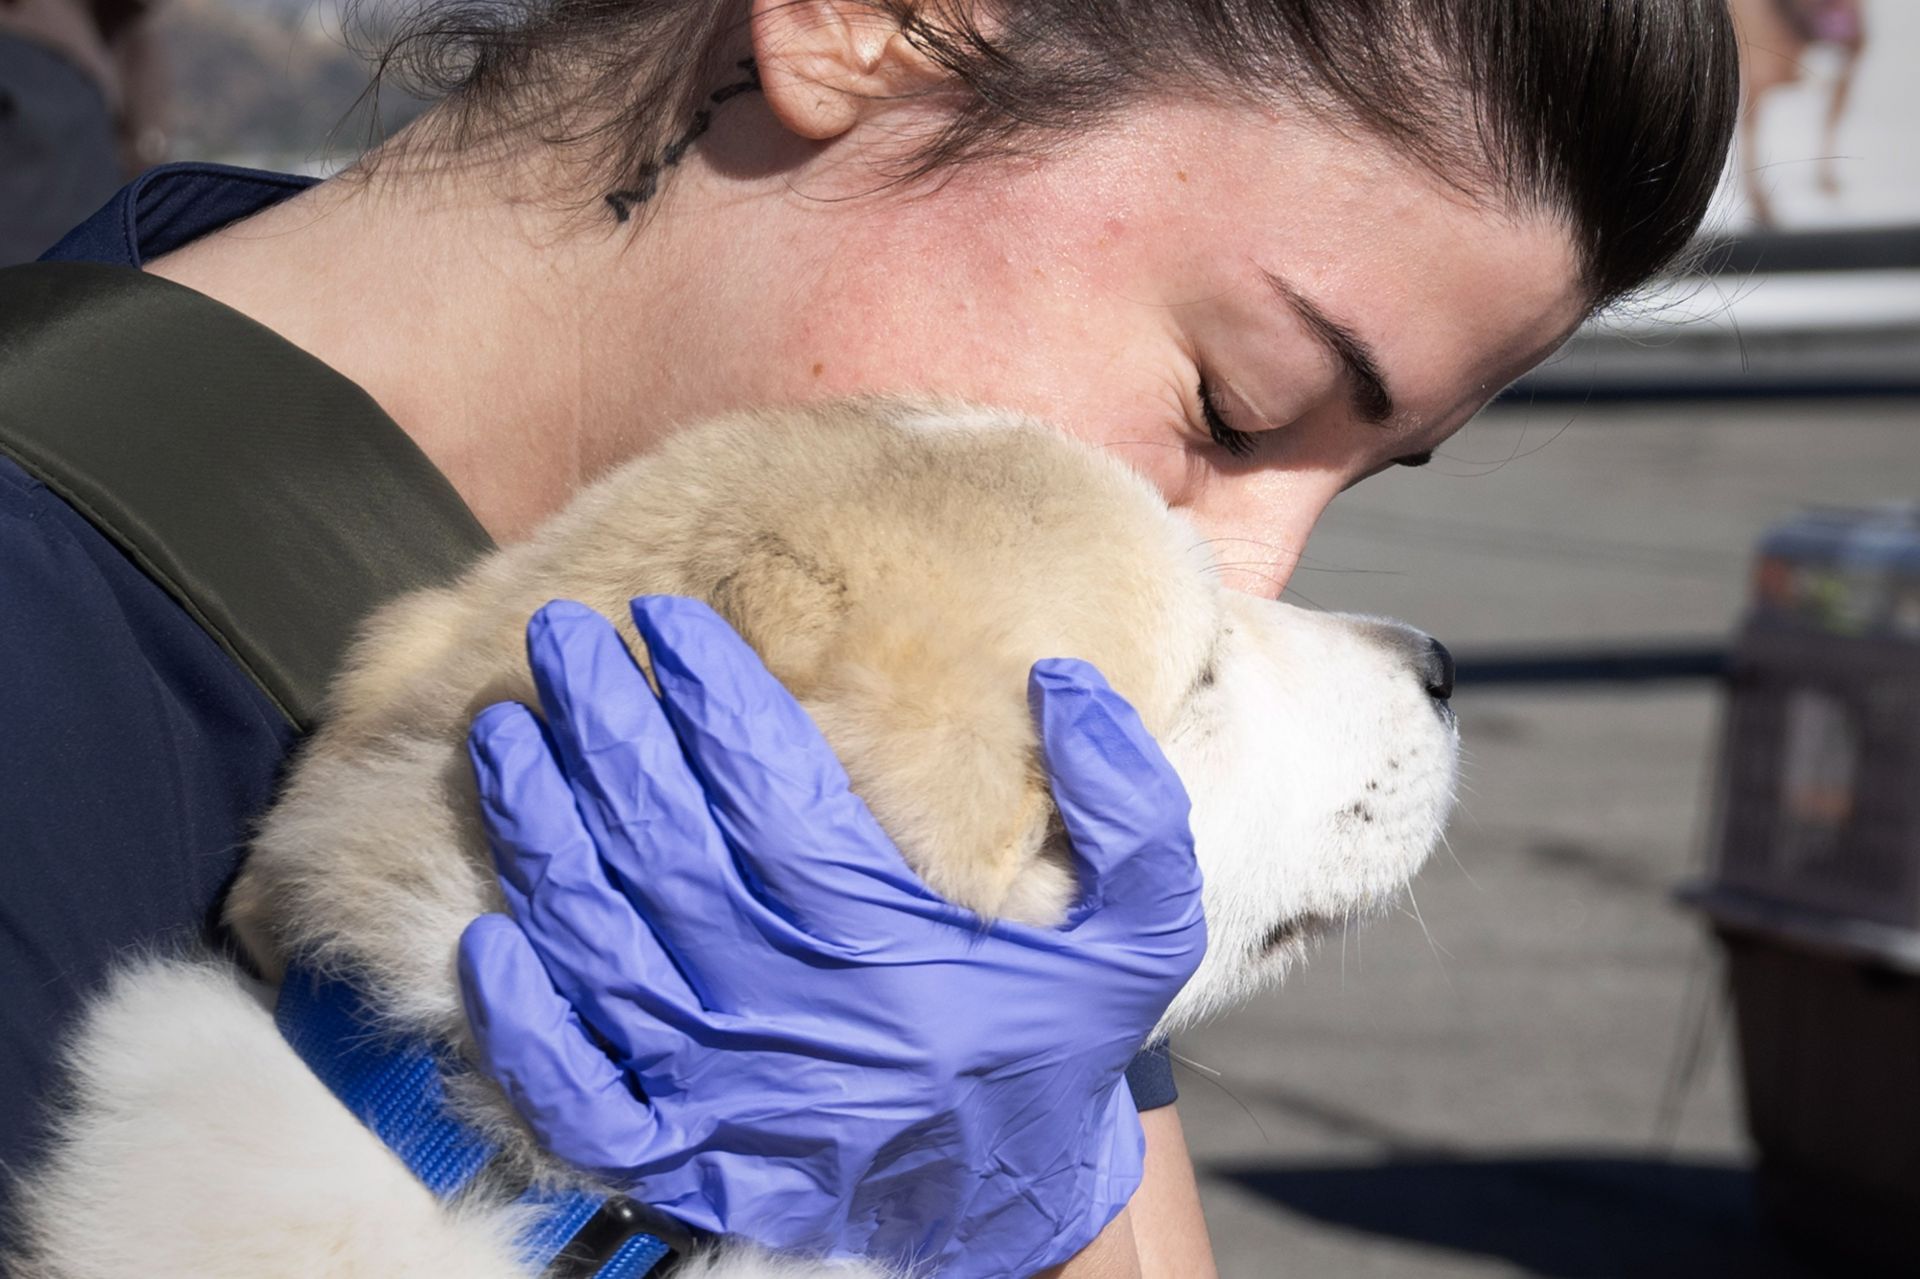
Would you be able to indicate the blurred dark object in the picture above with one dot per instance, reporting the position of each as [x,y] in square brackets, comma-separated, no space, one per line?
[1641,664]
[82,109]
[1810,313]
[58,158]
[94,91]
[1814,890]
[1563,1214]
[1828,1048]
[1868,248]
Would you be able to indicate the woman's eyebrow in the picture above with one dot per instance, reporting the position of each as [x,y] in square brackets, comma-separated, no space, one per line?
[1372,401]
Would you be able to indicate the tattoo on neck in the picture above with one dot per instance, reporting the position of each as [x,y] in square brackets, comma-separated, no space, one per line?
[625,200]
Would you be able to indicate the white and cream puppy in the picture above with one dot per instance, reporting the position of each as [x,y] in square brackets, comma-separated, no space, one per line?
[899,566]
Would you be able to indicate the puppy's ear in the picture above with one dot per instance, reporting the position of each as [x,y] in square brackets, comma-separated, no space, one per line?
[919,700]
[788,604]
[930,718]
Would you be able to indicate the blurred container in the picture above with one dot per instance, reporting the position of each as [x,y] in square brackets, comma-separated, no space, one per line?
[1815,885]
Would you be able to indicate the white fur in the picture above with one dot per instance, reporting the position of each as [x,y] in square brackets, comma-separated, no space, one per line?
[203,1146]
[1314,799]
[899,567]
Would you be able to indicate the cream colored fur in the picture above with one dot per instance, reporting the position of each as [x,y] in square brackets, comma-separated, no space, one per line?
[899,567]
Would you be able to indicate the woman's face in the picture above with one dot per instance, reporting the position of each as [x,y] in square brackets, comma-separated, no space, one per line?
[1345,310]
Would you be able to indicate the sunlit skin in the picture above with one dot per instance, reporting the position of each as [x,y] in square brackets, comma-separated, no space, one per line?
[1100,287]
[1096,284]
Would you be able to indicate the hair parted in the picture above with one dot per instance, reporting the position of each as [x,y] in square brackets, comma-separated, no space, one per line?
[1613,115]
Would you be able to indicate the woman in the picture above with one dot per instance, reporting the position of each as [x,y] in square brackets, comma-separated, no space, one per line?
[1260,249]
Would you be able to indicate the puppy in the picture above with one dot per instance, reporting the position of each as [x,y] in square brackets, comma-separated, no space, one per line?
[899,566]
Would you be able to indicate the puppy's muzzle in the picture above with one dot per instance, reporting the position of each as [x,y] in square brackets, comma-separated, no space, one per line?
[1426,659]
[1436,669]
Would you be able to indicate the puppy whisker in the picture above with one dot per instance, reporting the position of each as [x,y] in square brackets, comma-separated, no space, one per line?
[1440,953]
[1212,1076]
[1447,844]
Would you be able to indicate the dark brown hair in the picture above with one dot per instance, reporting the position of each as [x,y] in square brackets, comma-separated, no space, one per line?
[1612,115]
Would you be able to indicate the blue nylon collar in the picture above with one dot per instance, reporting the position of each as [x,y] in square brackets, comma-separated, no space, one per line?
[394,1087]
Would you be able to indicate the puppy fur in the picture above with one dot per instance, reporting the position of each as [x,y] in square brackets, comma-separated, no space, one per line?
[899,566]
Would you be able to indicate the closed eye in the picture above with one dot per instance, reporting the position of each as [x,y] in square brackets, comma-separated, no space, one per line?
[1416,459]
[1238,443]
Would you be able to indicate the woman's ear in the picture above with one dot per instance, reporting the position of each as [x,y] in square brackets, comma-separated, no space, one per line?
[823,63]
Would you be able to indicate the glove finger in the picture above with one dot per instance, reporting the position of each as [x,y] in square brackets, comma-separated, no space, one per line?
[576,1100]
[775,786]
[597,949]
[631,782]
[1124,806]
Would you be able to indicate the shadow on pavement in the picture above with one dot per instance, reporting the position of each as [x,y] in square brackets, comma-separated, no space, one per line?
[1573,1216]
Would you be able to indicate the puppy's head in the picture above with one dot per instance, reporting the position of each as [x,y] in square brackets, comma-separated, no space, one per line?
[960,547]
[1320,759]
[899,567]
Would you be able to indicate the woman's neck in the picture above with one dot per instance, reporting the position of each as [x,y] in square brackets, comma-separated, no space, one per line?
[527,347]
[483,326]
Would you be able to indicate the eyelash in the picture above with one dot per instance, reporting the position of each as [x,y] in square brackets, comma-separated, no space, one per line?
[1238,443]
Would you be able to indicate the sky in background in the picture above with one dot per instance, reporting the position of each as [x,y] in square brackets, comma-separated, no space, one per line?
[1878,144]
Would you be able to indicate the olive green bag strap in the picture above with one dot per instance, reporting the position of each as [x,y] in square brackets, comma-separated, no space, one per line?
[265,492]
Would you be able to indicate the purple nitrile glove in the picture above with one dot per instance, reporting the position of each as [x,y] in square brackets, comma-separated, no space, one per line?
[831,1058]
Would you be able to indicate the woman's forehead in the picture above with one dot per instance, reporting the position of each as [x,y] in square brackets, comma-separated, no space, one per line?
[1184,179]
[1218,202]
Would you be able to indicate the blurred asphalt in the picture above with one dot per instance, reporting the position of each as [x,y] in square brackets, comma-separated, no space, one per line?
[1495,1093]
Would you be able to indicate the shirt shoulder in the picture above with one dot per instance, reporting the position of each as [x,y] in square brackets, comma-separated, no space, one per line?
[128,728]
[169,206]
[133,758]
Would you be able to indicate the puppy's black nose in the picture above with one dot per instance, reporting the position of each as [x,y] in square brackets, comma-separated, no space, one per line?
[1438,671]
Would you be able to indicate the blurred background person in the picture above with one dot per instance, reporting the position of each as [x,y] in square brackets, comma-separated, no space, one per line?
[82,109]
[1775,37]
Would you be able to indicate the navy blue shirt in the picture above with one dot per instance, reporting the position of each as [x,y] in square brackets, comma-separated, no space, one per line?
[134,753]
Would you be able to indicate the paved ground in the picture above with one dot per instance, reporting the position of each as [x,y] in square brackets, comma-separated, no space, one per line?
[1497,1092]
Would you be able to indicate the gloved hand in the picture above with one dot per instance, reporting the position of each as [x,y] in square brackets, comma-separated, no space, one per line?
[804,1046]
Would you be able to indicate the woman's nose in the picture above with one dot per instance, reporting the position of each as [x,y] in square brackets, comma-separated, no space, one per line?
[1258,550]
